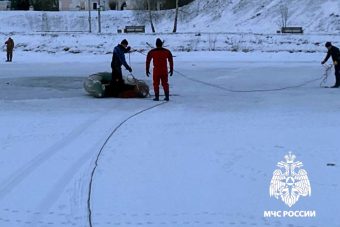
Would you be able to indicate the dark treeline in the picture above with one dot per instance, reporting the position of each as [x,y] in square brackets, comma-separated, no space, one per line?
[53,5]
[47,5]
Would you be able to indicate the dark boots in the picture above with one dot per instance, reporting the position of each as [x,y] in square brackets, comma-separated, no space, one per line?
[166,96]
[165,99]
[156,97]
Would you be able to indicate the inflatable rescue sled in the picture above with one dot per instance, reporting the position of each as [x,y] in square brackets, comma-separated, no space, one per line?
[98,85]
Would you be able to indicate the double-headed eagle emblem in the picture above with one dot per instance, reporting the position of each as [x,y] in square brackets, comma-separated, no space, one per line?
[290,184]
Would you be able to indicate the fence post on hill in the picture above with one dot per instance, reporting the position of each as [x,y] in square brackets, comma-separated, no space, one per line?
[176,16]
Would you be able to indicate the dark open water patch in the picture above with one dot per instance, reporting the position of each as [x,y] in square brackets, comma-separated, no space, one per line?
[41,87]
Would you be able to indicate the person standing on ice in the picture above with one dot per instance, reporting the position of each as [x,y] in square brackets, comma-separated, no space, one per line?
[335,53]
[9,49]
[118,59]
[161,57]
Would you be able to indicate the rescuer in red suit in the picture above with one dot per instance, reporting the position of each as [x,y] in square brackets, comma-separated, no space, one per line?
[161,57]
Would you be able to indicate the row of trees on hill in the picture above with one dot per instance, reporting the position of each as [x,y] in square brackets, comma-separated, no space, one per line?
[52,5]
[47,5]
[166,4]
[169,4]
[146,4]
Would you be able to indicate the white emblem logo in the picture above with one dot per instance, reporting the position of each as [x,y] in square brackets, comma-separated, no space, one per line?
[289,185]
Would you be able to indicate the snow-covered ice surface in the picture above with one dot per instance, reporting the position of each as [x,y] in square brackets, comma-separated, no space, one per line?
[206,158]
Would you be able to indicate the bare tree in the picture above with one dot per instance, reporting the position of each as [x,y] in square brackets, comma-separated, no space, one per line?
[284,14]
[150,17]
[176,16]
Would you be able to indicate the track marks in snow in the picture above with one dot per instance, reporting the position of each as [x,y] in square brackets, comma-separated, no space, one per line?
[204,218]
[7,185]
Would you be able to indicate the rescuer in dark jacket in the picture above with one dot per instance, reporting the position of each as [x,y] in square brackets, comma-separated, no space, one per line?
[335,54]
[161,57]
[118,59]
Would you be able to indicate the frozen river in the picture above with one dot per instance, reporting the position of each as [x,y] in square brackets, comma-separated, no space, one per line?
[206,158]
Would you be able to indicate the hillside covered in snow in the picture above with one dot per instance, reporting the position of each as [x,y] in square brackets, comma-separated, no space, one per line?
[213,25]
[264,16]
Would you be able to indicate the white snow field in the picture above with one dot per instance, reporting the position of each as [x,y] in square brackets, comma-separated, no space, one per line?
[206,158]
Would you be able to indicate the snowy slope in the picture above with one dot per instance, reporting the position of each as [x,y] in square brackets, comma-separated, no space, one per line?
[203,26]
[264,16]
